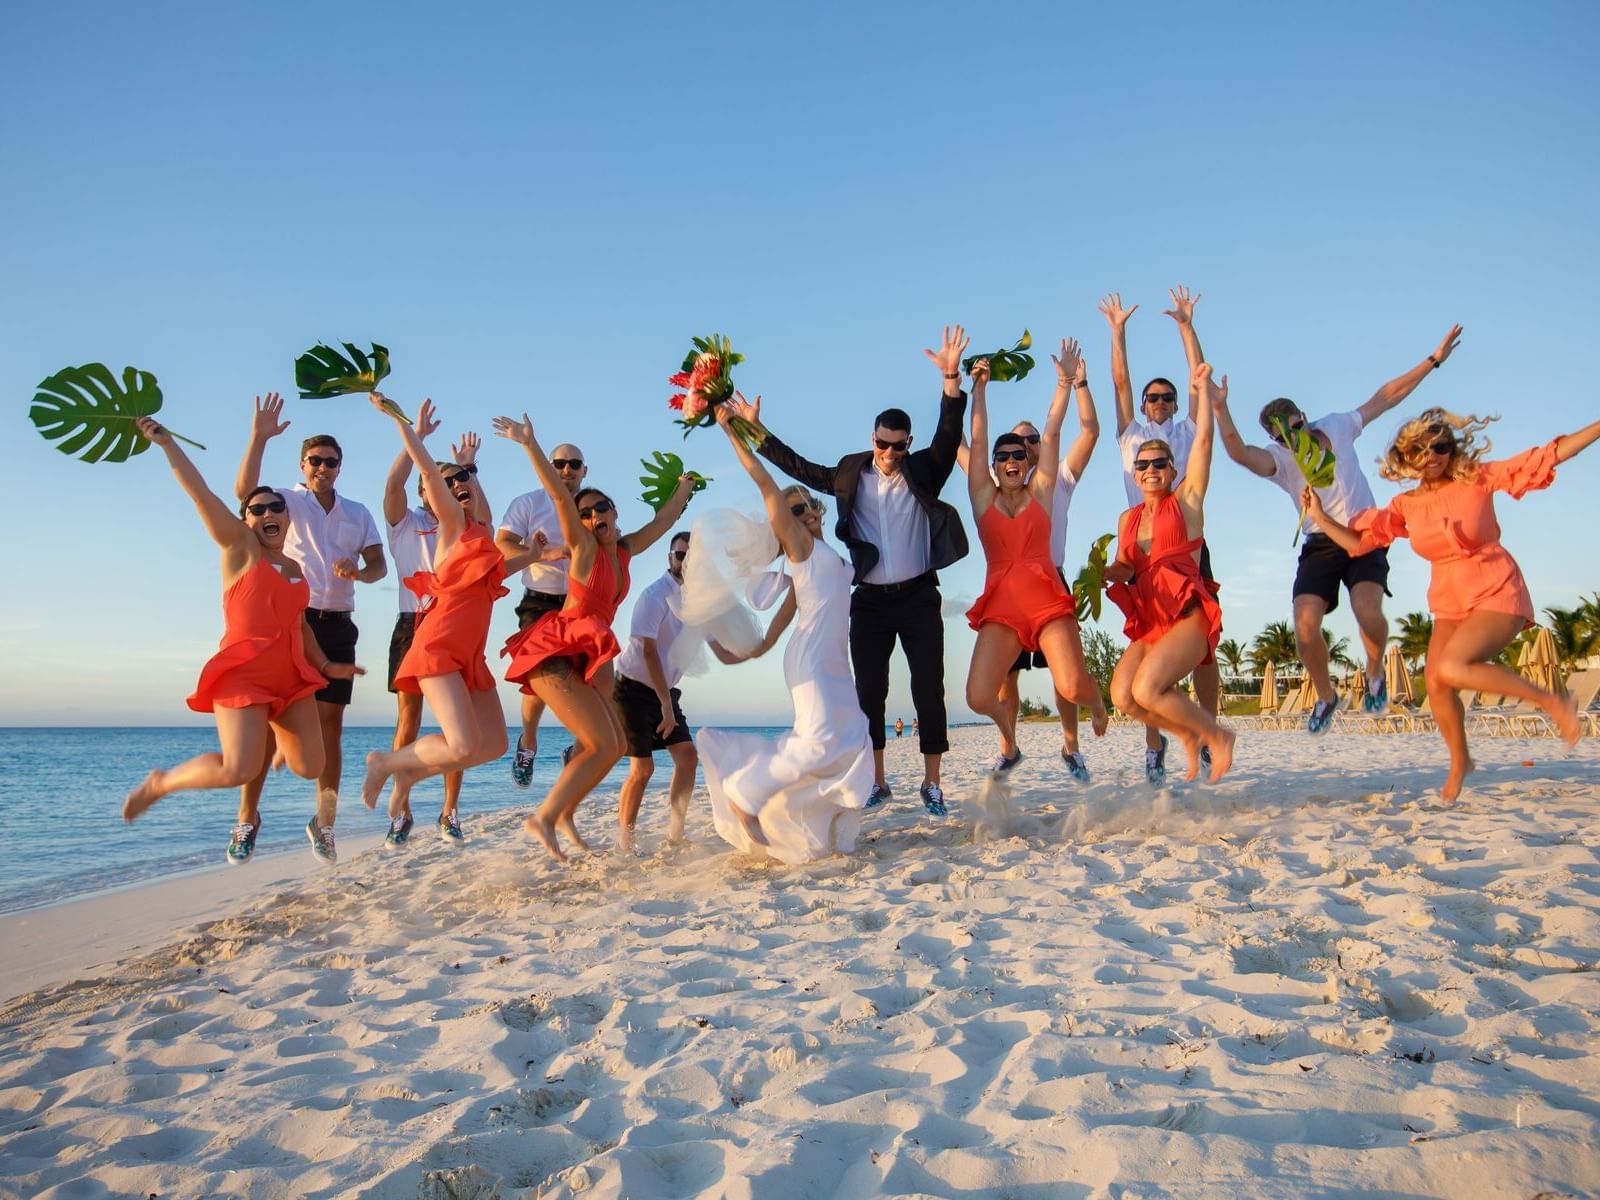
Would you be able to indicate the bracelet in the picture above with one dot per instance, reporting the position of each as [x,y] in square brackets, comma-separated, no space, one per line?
[1435,362]
[952,374]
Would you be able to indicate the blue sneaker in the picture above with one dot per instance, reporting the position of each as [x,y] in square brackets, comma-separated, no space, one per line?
[1205,759]
[933,799]
[450,828]
[321,840]
[1321,719]
[522,766]
[1076,767]
[1003,763]
[1155,764]
[399,831]
[880,792]
[243,843]
[1376,702]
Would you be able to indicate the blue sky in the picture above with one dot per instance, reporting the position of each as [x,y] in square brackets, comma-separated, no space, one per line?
[536,206]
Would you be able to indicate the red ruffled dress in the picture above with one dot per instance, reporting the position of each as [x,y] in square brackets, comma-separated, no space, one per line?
[1453,526]
[1167,585]
[1022,589]
[261,659]
[581,630]
[453,614]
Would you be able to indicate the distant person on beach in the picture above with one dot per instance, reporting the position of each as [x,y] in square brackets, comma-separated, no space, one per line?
[327,534]
[1158,405]
[1173,619]
[649,702]
[1477,595]
[1324,565]
[412,533]
[899,726]
[1069,470]
[899,534]
[530,535]
[268,667]
[445,662]
[800,797]
[1026,606]
[564,657]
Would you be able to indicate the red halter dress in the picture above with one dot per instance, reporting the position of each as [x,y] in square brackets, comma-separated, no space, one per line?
[581,630]
[261,659]
[1022,589]
[453,614]
[1166,585]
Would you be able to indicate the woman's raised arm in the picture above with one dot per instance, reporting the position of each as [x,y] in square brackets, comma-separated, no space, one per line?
[573,531]
[224,526]
[794,537]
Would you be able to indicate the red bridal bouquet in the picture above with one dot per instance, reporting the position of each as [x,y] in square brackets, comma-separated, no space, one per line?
[706,378]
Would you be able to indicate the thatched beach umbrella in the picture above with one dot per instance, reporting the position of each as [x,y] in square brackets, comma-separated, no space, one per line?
[1303,699]
[1540,664]
[1355,688]
[1398,678]
[1269,689]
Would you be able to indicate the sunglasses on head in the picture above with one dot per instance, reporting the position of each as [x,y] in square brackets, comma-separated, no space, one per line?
[897,447]
[1018,455]
[567,464]
[316,460]
[269,506]
[598,509]
[1151,464]
[1161,397]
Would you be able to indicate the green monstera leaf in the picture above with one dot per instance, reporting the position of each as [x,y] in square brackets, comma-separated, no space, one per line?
[1316,463]
[1088,589]
[90,415]
[322,371]
[1006,365]
[660,478]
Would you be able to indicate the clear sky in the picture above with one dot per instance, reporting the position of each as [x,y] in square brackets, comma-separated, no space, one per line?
[535,206]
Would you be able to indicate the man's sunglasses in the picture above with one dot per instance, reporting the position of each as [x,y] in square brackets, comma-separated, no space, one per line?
[897,447]
[261,510]
[567,464]
[1161,397]
[316,460]
[679,554]
[1151,464]
[1293,429]
[1010,456]
[598,509]
[1031,438]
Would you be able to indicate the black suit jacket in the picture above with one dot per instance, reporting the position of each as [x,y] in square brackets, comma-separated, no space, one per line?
[925,470]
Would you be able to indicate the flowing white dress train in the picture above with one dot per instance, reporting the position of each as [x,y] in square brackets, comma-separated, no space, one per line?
[807,789]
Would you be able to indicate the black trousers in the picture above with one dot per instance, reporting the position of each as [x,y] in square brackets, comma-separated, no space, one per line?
[910,612]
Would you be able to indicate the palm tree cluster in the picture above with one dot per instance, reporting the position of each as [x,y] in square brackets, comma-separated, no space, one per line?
[1576,630]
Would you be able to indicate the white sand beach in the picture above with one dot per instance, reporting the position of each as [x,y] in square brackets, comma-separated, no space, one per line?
[1310,980]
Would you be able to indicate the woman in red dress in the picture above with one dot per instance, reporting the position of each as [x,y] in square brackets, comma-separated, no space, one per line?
[1173,618]
[564,657]
[445,662]
[259,678]
[1025,603]
[1477,594]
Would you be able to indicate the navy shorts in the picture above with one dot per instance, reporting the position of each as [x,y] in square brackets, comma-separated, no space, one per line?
[640,710]
[336,635]
[1324,565]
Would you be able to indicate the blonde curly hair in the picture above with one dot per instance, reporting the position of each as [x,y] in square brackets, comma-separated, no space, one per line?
[1409,452]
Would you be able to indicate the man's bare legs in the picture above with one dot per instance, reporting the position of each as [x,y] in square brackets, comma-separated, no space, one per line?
[1366,603]
[1309,611]
[685,762]
[331,718]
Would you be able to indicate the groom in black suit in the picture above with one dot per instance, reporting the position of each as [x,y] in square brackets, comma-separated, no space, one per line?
[899,533]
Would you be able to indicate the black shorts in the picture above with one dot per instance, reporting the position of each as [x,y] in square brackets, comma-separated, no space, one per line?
[336,635]
[405,628]
[1324,565]
[1205,562]
[640,710]
[534,605]
[1035,658]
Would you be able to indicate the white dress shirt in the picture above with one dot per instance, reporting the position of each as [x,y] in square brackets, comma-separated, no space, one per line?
[654,616]
[319,538]
[886,514]
[531,513]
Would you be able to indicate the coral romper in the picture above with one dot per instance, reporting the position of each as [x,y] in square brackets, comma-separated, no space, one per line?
[1022,589]
[261,659]
[1453,526]
[581,630]
[1166,585]
[453,614]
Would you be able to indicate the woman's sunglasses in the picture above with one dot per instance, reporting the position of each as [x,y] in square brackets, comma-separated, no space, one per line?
[1010,456]
[598,509]
[1442,446]
[1151,464]
[801,508]
[261,510]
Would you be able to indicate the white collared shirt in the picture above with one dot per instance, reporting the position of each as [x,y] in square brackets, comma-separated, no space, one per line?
[318,538]
[1179,433]
[531,513]
[888,515]
[654,616]
[1350,492]
[411,545]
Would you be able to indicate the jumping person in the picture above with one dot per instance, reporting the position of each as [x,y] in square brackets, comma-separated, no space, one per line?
[1477,595]
[327,534]
[1324,565]
[259,679]
[899,534]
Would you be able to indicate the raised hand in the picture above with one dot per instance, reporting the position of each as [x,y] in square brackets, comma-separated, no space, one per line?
[948,357]
[1116,316]
[980,373]
[742,408]
[1451,341]
[427,418]
[1069,363]
[155,431]
[513,430]
[1215,390]
[265,423]
[465,452]
[1182,310]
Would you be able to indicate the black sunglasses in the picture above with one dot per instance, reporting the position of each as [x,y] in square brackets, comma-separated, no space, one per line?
[899,447]
[1031,438]
[1151,464]
[1161,397]
[1443,446]
[567,464]
[1293,429]
[457,478]
[1011,456]
[802,508]
[261,510]
[679,554]
[316,460]
[598,509]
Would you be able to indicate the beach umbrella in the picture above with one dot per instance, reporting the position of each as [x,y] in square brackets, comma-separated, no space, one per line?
[1540,664]
[1303,699]
[1398,678]
[1269,689]
[1355,686]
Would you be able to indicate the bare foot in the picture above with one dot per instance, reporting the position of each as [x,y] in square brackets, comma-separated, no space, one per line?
[568,827]
[752,825]
[1454,780]
[1191,748]
[143,796]
[1564,712]
[545,832]
[1221,748]
[679,818]
[377,776]
[1099,719]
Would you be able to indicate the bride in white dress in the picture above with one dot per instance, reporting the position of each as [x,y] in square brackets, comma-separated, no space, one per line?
[798,798]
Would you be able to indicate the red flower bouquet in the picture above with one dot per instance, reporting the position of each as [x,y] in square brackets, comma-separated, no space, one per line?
[706,378]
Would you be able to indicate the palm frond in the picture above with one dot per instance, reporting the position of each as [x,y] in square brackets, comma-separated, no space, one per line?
[1088,589]
[1006,365]
[90,415]
[660,478]
[322,372]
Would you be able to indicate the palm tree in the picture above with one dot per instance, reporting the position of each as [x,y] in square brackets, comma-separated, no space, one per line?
[1338,651]
[1576,631]
[1416,631]
[1232,655]
[1274,644]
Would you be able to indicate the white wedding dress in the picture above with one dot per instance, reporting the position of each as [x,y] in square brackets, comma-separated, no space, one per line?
[807,789]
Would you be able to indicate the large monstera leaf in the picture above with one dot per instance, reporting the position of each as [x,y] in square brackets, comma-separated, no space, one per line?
[1088,589]
[1006,365]
[660,478]
[1317,464]
[90,414]
[322,371]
